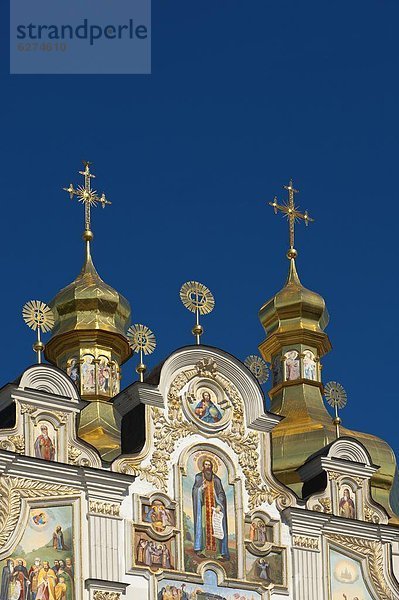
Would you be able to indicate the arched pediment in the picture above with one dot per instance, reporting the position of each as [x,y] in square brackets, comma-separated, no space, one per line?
[208,358]
[49,379]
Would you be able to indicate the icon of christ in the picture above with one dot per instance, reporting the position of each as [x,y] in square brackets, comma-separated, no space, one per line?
[210,513]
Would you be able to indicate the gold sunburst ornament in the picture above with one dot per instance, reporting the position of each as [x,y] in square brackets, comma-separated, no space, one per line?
[39,317]
[197,298]
[258,368]
[336,397]
[141,340]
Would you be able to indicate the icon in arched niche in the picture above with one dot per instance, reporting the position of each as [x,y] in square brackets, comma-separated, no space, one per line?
[115,377]
[208,513]
[104,375]
[206,403]
[153,553]
[259,532]
[346,503]
[309,365]
[73,369]
[171,589]
[346,578]
[45,445]
[276,370]
[88,374]
[42,565]
[159,514]
[292,366]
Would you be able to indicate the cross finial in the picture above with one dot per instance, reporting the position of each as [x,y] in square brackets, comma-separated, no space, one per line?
[293,215]
[88,197]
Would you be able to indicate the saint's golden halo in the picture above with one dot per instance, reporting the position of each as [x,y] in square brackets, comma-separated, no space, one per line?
[335,394]
[141,338]
[258,367]
[37,314]
[196,296]
[212,459]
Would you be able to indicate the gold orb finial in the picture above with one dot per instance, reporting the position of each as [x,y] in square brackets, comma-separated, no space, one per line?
[39,317]
[336,397]
[141,340]
[197,298]
[258,368]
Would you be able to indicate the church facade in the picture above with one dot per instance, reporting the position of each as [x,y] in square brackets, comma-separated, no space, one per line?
[182,485]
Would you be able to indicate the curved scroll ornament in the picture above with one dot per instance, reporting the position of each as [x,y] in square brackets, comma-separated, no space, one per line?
[373,551]
[169,430]
[13,490]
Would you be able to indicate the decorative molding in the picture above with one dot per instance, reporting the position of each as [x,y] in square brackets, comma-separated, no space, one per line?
[73,454]
[370,515]
[373,552]
[61,416]
[28,408]
[304,541]
[13,490]
[104,508]
[206,367]
[103,595]
[14,443]
[333,475]
[168,431]
[323,505]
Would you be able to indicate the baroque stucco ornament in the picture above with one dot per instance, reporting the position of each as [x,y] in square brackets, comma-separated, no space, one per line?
[168,430]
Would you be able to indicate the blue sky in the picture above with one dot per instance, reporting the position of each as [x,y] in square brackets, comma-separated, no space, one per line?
[242,97]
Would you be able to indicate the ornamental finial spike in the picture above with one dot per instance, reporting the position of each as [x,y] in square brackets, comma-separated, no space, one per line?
[197,298]
[141,340]
[336,397]
[291,211]
[39,317]
[89,198]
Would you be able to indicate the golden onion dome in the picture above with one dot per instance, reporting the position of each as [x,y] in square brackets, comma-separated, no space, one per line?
[90,303]
[294,307]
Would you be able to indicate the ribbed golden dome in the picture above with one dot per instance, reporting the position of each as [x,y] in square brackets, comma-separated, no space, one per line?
[294,307]
[90,303]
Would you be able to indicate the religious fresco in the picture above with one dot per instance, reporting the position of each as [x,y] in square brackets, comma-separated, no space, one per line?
[45,444]
[73,370]
[258,532]
[115,379]
[169,589]
[206,408]
[347,504]
[208,513]
[309,365]
[207,405]
[266,569]
[104,375]
[276,370]
[153,553]
[292,365]
[42,565]
[158,515]
[88,374]
[346,578]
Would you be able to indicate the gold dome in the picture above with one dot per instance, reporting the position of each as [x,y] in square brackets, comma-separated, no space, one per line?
[90,303]
[294,321]
[295,309]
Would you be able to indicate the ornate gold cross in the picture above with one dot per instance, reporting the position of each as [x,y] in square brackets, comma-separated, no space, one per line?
[291,212]
[86,194]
